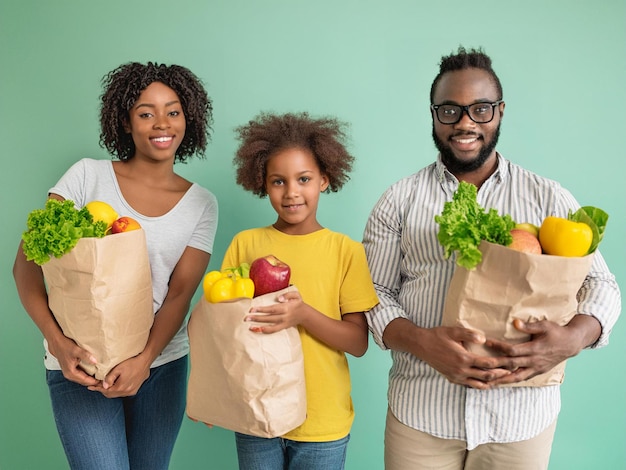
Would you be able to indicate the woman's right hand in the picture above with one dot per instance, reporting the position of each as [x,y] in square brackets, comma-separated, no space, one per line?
[70,355]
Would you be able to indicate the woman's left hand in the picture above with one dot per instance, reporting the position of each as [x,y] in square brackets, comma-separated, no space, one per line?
[125,379]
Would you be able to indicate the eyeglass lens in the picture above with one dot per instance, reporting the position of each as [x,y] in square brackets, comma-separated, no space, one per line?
[479,112]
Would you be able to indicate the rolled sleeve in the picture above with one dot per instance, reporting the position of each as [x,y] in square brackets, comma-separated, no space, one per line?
[600,297]
[378,318]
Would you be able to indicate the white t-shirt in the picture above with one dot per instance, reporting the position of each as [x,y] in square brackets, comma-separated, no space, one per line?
[192,222]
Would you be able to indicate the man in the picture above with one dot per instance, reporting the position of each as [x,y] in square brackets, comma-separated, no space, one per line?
[445,409]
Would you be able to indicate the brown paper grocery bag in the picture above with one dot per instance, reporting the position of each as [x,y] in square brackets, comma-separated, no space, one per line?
[247,382]
[509,284]
[101,295]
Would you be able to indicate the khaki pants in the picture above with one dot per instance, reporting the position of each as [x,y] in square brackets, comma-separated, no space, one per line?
[409,449]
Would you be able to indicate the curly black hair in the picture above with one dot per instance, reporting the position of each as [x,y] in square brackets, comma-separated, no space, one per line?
[466,59]
[268,134]
[123,85]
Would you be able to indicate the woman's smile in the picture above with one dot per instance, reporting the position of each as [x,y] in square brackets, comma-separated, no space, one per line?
[162,142]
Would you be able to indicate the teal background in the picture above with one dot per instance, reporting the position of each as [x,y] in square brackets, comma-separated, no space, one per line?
[563,69]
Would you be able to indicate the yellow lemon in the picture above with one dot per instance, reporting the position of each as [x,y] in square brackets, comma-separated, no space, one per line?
[102,211]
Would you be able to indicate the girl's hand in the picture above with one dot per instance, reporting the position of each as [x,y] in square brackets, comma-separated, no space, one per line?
[70,355]
[289,311]
[125,379]
[348,334]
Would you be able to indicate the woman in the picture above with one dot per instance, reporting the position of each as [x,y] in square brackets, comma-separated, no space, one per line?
[151,116]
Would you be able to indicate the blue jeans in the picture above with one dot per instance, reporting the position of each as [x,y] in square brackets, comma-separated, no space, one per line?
[259,453]
[126,433]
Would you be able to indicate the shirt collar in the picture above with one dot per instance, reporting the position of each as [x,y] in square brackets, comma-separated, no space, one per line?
[499,176]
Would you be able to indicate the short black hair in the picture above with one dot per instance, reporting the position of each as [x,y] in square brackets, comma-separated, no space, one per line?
[466,59]
[268,134]
[123,85]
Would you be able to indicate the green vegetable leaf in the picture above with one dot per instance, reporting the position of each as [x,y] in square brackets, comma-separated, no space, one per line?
[55,230]
[596,219]
[463,224]
[244,270]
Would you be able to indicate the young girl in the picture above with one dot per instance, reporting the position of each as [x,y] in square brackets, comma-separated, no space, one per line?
[151,116]
[293,159]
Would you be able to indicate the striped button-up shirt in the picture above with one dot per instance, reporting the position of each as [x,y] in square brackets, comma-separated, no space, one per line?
[412,276]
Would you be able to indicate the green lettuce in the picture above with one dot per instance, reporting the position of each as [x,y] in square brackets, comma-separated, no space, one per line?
[463,224]
[56,229]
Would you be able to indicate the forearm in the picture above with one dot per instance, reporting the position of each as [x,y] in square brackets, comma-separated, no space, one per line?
[183,284]
[444,349]
[403,335]
[167,322]
[585,331]
[348,335]
[31,290]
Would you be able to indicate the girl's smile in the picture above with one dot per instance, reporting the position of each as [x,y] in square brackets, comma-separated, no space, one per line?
[293,207]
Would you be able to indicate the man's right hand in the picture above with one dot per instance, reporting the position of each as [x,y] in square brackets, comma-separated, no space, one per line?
[443,348]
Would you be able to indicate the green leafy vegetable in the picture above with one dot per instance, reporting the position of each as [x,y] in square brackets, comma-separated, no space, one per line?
[243,270]
[463,223]
[595,218]
[55,230]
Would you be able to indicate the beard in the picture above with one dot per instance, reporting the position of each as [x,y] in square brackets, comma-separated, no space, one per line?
[457,166]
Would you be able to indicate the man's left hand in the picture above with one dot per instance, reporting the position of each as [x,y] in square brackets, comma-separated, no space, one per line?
[549,345]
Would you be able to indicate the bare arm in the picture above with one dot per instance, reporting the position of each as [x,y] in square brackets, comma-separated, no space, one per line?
[32,292]
[34,297]
[182,286]
[349,334]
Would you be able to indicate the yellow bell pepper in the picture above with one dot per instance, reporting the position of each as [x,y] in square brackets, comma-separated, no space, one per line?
[222,290]
[562,237]
[243,287]
[220,286]
[209,279]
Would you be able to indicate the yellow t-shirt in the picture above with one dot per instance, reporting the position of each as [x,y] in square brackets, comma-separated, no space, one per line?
[330,271]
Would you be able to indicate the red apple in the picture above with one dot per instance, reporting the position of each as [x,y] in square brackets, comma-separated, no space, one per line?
[269,274]
[124,224]
[525,241]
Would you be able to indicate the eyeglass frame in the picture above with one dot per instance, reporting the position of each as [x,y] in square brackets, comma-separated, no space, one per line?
[465,109]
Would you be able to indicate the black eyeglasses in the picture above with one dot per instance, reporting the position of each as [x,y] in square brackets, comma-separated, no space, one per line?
[480,113]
